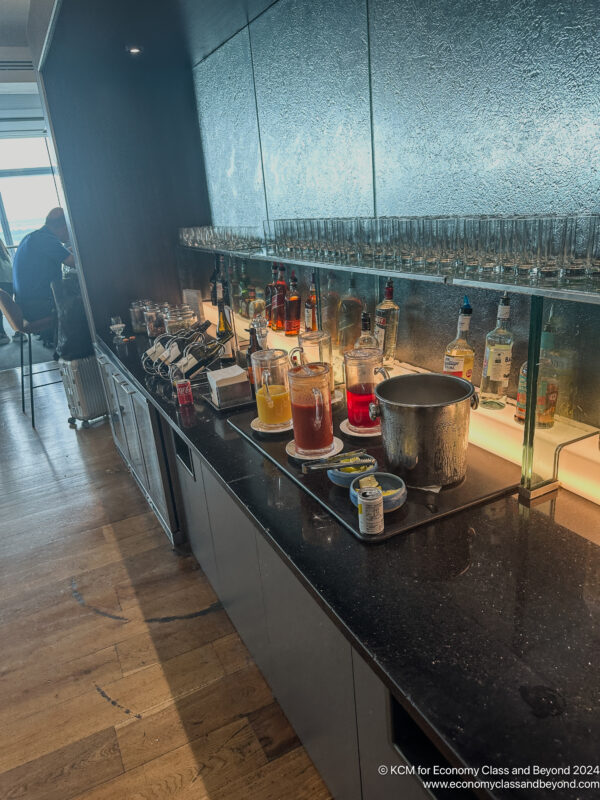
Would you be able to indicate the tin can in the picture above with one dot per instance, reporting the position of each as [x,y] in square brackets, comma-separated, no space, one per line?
[370,511]
[184,393]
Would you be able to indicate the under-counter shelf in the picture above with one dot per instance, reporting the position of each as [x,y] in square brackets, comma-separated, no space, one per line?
[554,293]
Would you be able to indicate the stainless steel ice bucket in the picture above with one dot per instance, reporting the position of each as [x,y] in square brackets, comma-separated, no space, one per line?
[425,426]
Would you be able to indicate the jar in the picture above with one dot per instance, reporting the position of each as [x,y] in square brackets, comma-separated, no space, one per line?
[313,346]
[174,322]
[270,373]
[364,369]
[136,314]
[154,319]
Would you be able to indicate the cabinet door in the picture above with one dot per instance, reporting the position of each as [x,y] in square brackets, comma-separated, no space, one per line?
[234,538]
[383,728]
[114,416]
[150,448]
[133,453]
[310,673]
[195,508]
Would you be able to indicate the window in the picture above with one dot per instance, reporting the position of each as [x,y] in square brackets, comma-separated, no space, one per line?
[29,187]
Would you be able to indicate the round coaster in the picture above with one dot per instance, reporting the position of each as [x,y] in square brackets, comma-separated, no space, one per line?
[368,434]
[290,449]
[257,426]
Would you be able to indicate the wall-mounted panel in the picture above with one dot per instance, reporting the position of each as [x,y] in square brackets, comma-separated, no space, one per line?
[312,89]
[485,106]
[227,112]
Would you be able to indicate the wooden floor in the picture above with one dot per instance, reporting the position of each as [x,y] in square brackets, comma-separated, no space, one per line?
[121,676]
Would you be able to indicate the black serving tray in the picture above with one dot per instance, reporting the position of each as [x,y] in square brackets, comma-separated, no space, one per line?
[488,477]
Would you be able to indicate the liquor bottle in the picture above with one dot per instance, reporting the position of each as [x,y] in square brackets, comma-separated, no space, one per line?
[269,289]
[547,383]
[225,335]
[257,307]
[366,338]
[213,282]
[234,283]
[310,307]
[330,305]
[222,285]
[349,317]
[459,356]
[252,348]
[249,302]
[497,360]
[387,315]
[292,308]
[279,292]
[243,290]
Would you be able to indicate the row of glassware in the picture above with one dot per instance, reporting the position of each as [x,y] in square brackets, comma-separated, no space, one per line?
[154,319]
[550,250]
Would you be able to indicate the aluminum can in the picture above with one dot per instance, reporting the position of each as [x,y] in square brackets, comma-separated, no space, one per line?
[370,511]
[184,393]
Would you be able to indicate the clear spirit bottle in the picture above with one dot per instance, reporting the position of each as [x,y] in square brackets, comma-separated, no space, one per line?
[349,317]
[459,356]
[498,359]
[366,338]
[387,315]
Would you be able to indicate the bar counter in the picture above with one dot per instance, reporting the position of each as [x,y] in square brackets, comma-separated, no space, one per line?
[483,626]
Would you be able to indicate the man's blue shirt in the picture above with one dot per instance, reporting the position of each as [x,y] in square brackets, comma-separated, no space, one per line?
[36,264]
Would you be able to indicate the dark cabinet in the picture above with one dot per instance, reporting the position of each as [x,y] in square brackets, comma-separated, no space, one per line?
[382,726]
[195,508]
[310,673]
[234,538]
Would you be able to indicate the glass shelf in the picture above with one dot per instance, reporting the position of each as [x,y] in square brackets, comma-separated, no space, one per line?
[575,295]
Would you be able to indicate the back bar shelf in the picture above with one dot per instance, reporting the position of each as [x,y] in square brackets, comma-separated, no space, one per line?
[554,293]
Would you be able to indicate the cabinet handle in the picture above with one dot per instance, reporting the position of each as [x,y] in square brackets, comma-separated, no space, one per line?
[101,361]
[128,390]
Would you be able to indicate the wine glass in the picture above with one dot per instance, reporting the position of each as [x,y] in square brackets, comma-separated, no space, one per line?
[117,326]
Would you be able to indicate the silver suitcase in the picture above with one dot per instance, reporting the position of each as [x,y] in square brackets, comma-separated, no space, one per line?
[83,387]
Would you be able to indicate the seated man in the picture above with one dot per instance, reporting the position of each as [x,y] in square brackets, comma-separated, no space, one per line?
[37,262]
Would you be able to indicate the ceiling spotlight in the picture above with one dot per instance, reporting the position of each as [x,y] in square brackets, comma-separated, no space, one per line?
[133,50]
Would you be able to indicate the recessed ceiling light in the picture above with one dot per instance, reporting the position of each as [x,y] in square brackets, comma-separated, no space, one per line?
[133,49]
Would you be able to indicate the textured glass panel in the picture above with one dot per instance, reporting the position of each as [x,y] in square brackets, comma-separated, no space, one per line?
[226,107]
[485,107]
[312,87]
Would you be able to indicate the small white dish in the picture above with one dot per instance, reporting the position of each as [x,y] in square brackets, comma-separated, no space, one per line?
[367,434]
[257,426]
[290,449]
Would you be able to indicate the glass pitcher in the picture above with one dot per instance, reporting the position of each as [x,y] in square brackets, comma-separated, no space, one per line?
[313,346]
[364,369]
[270,368]
[311,409]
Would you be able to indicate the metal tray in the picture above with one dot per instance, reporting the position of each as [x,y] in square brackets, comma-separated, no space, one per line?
[488,477]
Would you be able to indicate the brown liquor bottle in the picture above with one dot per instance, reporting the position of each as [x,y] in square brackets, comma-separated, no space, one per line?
[292,308]
[252,348]
[278,301]
[310,307]
[269,289]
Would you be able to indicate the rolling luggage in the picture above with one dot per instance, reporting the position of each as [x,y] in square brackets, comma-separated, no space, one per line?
[83,387]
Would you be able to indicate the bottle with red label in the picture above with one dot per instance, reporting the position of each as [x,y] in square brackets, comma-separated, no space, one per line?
[310,307]
[278,294]
[459,356]
[387,316]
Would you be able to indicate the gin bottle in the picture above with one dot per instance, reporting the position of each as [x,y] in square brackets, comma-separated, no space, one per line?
[498,359]
[387,314]
[366,338]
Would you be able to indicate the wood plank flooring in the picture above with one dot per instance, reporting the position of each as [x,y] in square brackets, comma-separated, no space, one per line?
[101,696]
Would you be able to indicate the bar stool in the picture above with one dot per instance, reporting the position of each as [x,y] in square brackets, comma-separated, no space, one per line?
[14,315]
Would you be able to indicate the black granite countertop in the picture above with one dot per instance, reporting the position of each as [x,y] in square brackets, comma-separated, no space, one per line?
[484,625]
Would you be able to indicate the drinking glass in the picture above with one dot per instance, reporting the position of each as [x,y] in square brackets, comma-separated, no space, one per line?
[446,242]
[364,369]
[528,234]
[578,245]
[270,372]
[593,269]
[553,230]
[311,409]
[117,326]
[470,238]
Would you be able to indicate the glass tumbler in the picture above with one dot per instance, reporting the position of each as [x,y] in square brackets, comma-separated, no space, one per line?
[311,409]
[269,369]
[364,369]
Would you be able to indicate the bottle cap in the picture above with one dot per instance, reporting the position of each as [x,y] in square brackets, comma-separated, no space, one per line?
[466,306]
